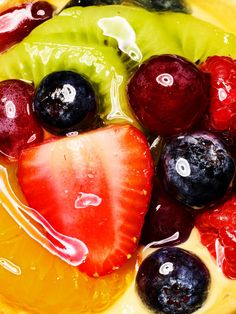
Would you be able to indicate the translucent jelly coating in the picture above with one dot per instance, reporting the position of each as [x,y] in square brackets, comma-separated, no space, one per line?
[166,219]
[17,22]
[169,94]
[43,282]
[187,49]
[65,102]
[173,280]
[16,98]
[221,295]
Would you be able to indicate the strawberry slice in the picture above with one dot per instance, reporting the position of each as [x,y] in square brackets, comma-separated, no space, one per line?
[218,233]
[94,187]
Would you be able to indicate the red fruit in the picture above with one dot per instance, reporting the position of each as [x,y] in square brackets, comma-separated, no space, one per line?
[218,233]
[95,187]
[169,94]
[166,219]
[16,23]
[222,114]
[18,127]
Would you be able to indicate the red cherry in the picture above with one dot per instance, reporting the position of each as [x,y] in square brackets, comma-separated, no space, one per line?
[18,128]
[169,94]
[16,23]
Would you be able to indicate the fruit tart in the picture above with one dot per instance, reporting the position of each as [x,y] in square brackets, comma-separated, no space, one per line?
[117,157]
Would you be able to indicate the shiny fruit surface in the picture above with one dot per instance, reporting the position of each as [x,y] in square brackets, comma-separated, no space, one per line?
[168,94]
[18,125]
[172,280]
[17,22]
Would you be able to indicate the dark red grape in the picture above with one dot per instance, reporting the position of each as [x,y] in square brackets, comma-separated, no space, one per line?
[17,22]
[169,94]
[166,217]
[18,128]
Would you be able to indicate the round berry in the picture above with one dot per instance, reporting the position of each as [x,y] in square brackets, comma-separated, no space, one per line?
[222,111]
[169,94]
[197,168]
[64,102]
[167,221]
[172,280]
[217,229]
[41,11]
[17,22]
[18,126]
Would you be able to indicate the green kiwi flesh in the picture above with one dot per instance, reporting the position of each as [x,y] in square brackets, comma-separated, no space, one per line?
[106,44]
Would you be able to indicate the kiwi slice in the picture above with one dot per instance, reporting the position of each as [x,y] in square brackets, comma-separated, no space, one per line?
[105,43]
[33,59]
[155,33]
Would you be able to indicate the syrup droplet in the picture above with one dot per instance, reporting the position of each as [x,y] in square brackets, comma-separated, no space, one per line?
[87,199]
[10,266]
[118,28]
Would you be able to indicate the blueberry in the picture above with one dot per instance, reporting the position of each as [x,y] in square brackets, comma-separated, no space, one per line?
[197,168]
[173,281]
[86,3]
[170,5]
[164,5]
[65,101]
[82,3]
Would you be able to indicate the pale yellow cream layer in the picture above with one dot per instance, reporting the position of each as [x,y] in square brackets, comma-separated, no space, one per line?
[222,293]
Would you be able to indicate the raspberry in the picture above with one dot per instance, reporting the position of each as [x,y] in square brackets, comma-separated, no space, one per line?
[217,228]
[222,113]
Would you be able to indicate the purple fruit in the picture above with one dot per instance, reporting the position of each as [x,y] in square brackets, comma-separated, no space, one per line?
[173,281]
[167,221]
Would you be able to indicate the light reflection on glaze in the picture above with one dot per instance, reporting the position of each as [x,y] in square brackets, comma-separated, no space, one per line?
[116,111]
[66,93]
[220,253]
[87,199]
[155,244]
[10,109]
[222,94]
[182,167]
[118,28]
[166,268]
[10,266]
[165,79]
[71,250]
[10,21]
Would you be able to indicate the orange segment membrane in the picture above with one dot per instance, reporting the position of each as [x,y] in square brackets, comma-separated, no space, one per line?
[69,249]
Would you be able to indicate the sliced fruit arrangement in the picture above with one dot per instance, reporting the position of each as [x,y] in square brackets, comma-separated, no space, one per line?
[93,66]
[96,208]
[61,41]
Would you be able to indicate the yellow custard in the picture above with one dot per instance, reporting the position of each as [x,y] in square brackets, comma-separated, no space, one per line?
[221,298]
